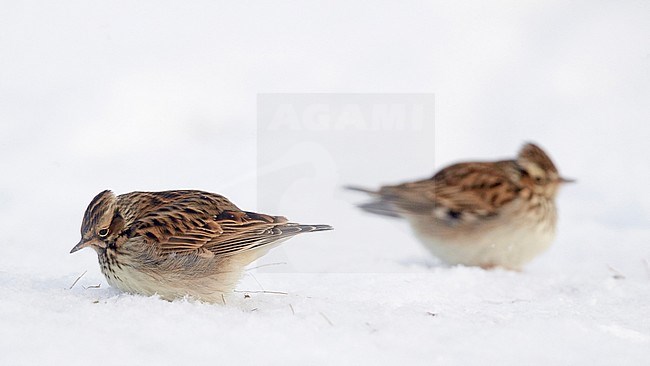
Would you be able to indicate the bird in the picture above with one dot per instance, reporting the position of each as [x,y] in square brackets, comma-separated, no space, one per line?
[485,214]
[179,243]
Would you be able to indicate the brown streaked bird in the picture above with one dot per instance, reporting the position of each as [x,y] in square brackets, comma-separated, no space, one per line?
[487,214]
[178,243]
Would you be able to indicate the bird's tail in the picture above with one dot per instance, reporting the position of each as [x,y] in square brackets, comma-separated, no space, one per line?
[379,205]
[361,189]
[291,229]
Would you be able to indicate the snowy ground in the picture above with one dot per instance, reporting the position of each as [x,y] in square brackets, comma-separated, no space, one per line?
[162,96]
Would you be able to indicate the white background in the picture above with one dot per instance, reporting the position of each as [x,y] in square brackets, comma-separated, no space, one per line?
[162,95]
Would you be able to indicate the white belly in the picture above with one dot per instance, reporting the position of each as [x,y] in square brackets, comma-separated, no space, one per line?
[504,247]
[206,279]
[509,241]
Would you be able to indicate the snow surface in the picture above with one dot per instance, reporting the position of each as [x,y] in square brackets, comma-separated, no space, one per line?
[151,96]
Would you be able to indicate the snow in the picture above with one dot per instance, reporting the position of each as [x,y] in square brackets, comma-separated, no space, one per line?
[153,96]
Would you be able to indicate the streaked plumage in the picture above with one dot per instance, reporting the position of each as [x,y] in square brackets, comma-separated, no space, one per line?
[484,214]
[178,243]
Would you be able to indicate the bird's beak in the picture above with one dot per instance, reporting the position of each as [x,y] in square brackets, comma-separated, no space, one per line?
[567,180]
[82,244]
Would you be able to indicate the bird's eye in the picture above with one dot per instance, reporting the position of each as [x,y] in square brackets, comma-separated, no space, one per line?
[103,233]
[539,180]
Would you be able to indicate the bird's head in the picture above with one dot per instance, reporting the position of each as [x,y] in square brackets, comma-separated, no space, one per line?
[101,223]
[538,171]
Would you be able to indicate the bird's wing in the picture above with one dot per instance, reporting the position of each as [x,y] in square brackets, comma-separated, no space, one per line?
[193,226]
[242,231]
[458,192]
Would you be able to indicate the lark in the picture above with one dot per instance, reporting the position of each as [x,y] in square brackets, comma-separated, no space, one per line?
[179,243]
[487,214]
